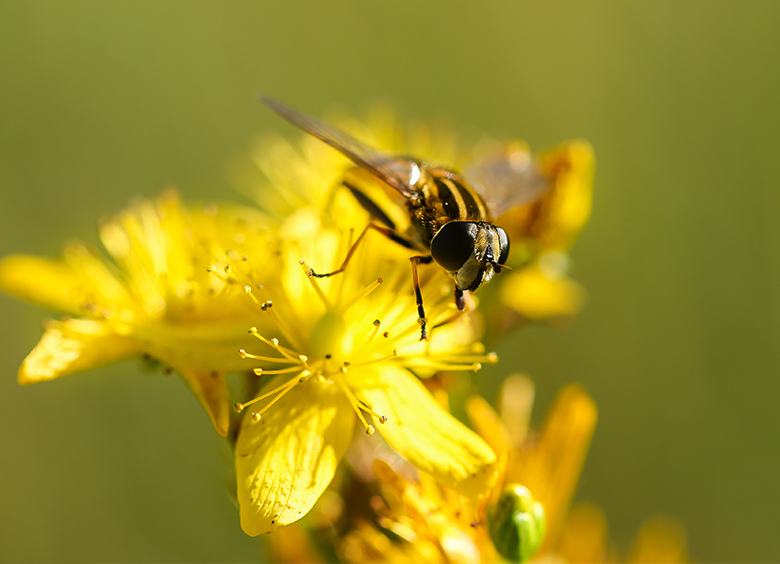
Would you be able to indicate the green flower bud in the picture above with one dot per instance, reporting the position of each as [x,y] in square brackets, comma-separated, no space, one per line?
[516,523]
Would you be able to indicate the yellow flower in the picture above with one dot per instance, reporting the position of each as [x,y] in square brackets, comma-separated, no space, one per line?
[153,295]
[550,463]
[418,520]
[585,538]
[543,231]
[552,222]
[342,348]
[304,419]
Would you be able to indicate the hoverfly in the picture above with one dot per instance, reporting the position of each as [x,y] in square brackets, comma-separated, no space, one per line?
[451,222]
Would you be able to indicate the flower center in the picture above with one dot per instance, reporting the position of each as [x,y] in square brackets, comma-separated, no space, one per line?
[326,369]
[344,335]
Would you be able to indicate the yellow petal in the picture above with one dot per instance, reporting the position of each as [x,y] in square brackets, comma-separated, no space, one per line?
[660,539]
[570,167]
[516,404]
[71,346]
[286,460]
[49,283]
[584,536]
[424,433]
[552,469]
[488,424]
[537,296]
[210,387]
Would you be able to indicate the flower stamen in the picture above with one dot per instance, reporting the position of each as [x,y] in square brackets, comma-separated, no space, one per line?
[360,295]
[274,343]
[280,392]
[390,356]
[288,333]
[315,284]
[251,356]
[432,363]
[264,372]
[358,406]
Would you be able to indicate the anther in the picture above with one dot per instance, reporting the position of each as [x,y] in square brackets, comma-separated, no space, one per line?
[256,416]
[239,407]
[307,269]
[377,323]
[370,430]
[242,353]
[360,295]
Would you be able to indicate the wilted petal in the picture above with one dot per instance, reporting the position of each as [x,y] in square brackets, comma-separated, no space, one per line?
[210,387]
[286,460]
[71,346]
[424,433]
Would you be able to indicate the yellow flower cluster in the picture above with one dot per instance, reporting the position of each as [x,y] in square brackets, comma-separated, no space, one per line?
[418,520]
[226,289]
[152,294]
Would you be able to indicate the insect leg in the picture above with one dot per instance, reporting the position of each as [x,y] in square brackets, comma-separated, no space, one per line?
[418,294]
[389,233]
[468,306]
[460,301]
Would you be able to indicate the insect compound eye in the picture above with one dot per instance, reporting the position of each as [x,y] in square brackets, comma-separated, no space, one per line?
[454,244]
[503,240]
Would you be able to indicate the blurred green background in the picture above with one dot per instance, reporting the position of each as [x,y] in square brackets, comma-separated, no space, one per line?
[101,101]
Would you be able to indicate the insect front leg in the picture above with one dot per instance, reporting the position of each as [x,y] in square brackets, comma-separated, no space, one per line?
[351,252]
[418,294]
[384,231]
[460,300]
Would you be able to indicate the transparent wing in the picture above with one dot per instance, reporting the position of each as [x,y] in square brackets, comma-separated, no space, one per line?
[507,179]
[400,173]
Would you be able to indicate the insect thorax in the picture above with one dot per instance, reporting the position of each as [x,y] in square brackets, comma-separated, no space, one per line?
[445,197]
